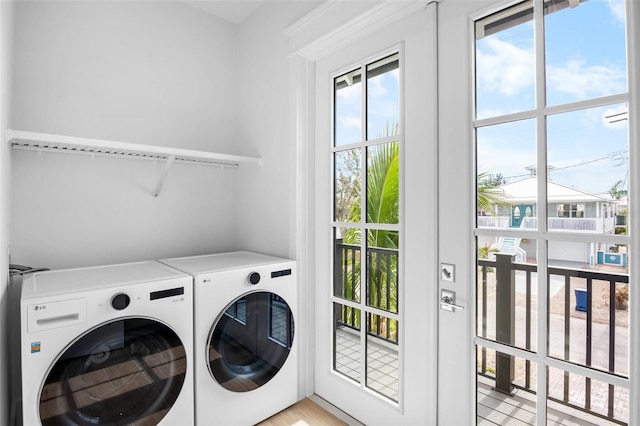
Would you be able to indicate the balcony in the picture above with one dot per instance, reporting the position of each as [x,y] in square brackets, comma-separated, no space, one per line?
[382,362]
[572,224]
[596,338]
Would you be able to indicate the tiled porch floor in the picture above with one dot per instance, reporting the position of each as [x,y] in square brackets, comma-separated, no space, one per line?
[382,365]
[493,408]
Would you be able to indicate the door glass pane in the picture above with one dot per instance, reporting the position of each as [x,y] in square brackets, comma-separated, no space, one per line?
[588,176]
[348,108]
[576,399]
[382,355]
[346,341]
[347,261]
[347,185]
[505,62]
[383,181]
[589,304]
[383,100]
[584,50]
[376,165]
[506,389]
[382,270]
[506,164]
[507,293]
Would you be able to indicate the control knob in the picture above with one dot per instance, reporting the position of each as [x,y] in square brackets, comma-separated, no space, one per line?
[120,301]
[254,278]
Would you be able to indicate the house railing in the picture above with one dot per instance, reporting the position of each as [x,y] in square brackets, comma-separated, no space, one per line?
[493,221]
[381,288]
[506,331]
[597,225]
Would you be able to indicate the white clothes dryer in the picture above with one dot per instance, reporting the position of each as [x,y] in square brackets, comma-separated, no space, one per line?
[108,345]
[245,348]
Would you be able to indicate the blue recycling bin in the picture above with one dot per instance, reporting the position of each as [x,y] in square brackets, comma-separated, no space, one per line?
[581,299]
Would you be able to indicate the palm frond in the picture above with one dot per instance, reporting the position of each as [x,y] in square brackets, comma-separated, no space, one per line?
[488,195]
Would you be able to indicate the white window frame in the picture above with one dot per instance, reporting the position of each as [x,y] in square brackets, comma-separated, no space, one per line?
[540,111]
[365,226]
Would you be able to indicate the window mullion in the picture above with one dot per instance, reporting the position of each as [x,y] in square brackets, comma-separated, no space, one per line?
[542,210]
[364,233]
[633,37]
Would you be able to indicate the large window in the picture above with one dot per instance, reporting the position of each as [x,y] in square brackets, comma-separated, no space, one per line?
[366,225]
[551,134]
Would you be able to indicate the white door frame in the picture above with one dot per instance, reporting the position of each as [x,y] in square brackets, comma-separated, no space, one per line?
[456,375]
[456,212]
[416,34]
[455,340]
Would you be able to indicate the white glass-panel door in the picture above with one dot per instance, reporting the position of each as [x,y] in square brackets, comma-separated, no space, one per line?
[552,145]
[538,150]
[375,308]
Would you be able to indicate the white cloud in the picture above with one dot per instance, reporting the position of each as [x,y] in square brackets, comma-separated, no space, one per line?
[582,81]
[396,74]
[350,94]
[489,112]
[511,162]
[350,121]
[504,67]
[376,88]
[617,9]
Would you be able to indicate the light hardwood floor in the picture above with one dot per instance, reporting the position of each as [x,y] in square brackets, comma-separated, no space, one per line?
[303,413]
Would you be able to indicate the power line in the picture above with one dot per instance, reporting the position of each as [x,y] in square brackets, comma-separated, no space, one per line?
[620,156]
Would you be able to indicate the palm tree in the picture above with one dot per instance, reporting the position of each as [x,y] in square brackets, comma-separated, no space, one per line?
[382,206]
[616,190]
[489,194]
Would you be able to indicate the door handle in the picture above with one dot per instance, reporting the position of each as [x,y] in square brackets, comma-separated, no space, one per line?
[448,301]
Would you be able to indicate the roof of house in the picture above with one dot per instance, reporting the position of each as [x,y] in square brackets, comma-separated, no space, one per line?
[525,191]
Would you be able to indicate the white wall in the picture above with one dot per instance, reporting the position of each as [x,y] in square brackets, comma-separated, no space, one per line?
[6,58]
[156,73]
[267,195]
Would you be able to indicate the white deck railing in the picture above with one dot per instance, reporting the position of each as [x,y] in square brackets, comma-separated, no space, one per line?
[597,225]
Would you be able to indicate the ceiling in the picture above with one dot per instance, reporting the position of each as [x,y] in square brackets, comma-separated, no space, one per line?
[234,11]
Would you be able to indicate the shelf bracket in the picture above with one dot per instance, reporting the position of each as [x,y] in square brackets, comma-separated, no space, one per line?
[164,174]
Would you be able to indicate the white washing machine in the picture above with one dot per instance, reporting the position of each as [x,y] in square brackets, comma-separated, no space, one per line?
[109,345]
[245,348]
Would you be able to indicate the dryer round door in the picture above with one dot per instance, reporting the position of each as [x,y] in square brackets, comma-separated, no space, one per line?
[121,372]
[250,341]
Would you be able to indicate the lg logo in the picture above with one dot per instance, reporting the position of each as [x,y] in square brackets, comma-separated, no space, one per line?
[40,307]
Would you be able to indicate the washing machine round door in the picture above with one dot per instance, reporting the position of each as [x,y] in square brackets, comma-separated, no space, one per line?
[122,372]
[250,341]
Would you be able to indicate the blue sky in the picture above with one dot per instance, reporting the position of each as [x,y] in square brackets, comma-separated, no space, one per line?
[585,58]
[382,108]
